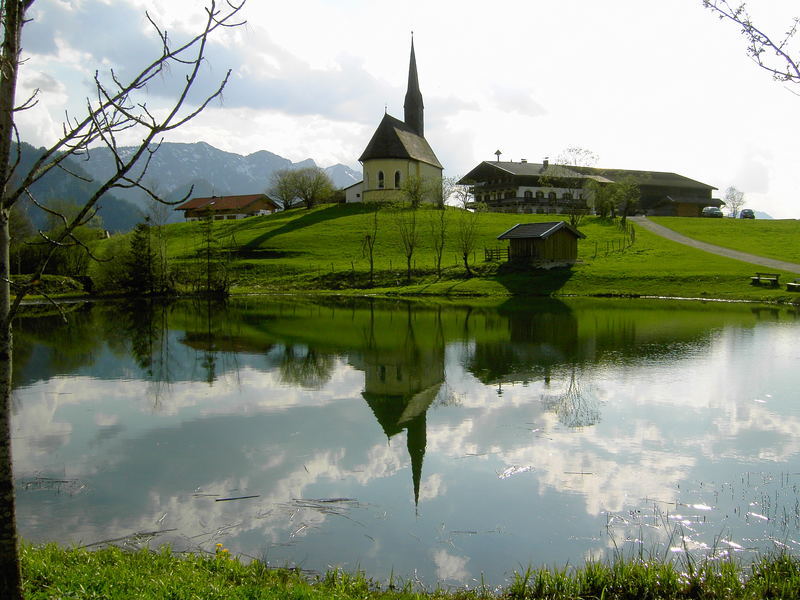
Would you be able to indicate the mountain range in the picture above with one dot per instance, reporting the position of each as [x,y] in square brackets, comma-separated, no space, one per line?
[176,170]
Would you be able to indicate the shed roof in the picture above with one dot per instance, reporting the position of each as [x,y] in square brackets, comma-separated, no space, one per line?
[538,230]
[225,202]
[394,139]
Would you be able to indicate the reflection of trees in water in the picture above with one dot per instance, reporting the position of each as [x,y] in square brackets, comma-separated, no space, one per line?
[305,367]
[575,407]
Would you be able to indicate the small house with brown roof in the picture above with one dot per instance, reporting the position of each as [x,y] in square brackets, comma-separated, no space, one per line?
[551,243]
[228,207]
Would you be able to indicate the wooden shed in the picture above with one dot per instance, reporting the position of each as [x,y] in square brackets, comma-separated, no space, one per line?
[551,242]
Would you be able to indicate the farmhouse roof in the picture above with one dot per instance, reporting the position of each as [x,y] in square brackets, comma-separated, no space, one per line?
[225,202]
[529,169]
[395,139]
[540,231]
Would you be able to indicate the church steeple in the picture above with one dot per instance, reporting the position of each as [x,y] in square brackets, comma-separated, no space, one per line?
[413,107]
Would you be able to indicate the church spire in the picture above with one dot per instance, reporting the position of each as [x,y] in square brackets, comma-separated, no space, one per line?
[413,107]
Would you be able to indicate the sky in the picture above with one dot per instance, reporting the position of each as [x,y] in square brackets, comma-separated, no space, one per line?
[662,86]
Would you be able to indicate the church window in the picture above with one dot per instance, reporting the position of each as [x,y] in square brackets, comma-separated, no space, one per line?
[380,180]
[397,179]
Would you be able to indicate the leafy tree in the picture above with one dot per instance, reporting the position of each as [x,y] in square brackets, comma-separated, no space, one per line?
[114,107]
[281,187]
[414,190]
[734,200]
[139,265]
[774,55]
[603,199]
[311,185]
[626,196]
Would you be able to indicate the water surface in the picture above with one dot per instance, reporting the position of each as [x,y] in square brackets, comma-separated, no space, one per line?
[442,442]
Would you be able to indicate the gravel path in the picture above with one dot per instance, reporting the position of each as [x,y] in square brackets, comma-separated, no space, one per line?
[778,265]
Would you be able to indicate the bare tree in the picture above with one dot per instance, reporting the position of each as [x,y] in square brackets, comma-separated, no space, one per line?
[442,190]
[568,174]
[117,107]
[773,55]
[368,245]
[734,200]
[406,222]
[466,235]
[462,194]
[438,224]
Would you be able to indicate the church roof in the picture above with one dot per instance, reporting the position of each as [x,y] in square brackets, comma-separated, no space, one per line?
[394,139]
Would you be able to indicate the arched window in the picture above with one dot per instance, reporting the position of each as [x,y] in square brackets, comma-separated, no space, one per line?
[566,196]
[550,196]
[397,179]
[529,194]
[380,180]
[540,195]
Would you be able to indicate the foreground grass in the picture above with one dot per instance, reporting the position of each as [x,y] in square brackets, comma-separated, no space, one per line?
[53,572]
[322,250]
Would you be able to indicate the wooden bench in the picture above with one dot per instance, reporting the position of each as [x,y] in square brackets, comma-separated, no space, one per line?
[770,278]
[793,286]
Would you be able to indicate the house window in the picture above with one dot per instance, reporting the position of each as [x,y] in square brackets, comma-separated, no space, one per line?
[397,179]
[380,180]
[529,194]
[566,196]
[551,196]
[509,195]
[540,195]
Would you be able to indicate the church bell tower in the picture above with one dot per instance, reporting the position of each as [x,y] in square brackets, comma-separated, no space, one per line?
[413,107]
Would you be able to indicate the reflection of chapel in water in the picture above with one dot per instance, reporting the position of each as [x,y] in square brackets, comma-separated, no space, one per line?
[402,379]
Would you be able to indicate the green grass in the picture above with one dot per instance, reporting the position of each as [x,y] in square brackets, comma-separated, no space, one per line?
[321,250]
[778,239]
[54,572]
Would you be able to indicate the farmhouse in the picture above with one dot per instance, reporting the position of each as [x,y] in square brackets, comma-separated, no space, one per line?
[544,188]
[553,243]
[398,151]
[228,207]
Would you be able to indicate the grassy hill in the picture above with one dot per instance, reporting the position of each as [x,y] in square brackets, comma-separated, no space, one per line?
[778,239]
[323,250]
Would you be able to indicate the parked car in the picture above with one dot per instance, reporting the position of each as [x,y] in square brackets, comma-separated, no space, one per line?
[747,213]
[712,211]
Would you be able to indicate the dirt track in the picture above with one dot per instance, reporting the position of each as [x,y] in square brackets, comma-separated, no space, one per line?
[778,265]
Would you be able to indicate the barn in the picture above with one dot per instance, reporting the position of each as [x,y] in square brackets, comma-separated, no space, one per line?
[554,242]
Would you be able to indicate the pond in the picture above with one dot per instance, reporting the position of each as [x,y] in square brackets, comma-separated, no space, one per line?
[442,443]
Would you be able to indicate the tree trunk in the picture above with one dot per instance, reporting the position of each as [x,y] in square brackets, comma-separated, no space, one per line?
[10,578]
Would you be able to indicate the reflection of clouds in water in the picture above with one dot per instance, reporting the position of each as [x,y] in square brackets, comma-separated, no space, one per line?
[450,567]
[432,487]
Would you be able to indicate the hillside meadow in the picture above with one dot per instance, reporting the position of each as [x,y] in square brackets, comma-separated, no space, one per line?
[324,250]
[778,239]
